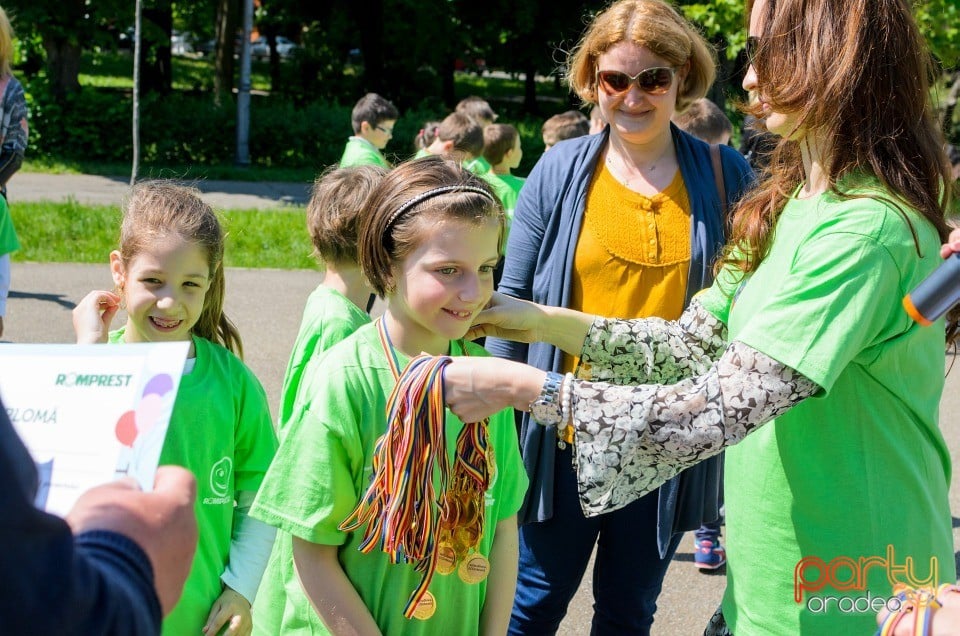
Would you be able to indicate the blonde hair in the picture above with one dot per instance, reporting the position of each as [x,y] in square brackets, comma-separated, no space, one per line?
[652,24]
[159,209]
[6,44]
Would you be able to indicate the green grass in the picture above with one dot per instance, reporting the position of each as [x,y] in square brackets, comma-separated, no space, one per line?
[115,70]
[69,232]
[223,172]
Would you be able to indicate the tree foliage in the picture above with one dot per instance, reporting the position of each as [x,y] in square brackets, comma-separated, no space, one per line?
[407,49]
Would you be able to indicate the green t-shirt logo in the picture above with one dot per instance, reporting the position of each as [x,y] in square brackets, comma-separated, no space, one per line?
[220,477]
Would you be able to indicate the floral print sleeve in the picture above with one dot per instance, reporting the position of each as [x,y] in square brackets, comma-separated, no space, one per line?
[631,439]
[652,350]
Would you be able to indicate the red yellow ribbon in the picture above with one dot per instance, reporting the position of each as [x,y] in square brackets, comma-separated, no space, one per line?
[403,510]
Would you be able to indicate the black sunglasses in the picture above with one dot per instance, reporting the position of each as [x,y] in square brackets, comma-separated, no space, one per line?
[753,44]
[653,81]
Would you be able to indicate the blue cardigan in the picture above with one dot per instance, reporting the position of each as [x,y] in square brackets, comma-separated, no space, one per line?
[540,250]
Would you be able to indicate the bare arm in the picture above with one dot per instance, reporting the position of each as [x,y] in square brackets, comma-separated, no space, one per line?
[331,594]
[502,583]
[524,321]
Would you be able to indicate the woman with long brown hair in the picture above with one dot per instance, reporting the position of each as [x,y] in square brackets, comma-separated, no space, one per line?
[800,357]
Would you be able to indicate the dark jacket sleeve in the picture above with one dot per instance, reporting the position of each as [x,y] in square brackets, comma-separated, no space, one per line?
[97,583]
[13,144]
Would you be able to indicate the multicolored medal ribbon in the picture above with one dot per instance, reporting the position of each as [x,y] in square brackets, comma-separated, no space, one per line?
[416,509]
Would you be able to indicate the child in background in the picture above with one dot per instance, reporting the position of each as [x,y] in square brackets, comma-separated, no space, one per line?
[501,149]
[169,276]
[340,303]
[460,138]
[425,136]
[566,125]
[706,121]
[373,119]
[478,109]
[429,246]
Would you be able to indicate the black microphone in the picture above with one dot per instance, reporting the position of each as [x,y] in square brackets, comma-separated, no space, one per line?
[936,294]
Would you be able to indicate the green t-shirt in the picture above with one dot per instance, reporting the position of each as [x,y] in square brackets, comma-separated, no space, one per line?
[514,182]
[360,152]
[859,467]
[322,470]
[8,234]
[220,430]
[420,154]
[478,165]
[328,318]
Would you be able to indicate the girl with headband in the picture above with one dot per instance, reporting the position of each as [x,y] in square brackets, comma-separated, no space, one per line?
[429,246]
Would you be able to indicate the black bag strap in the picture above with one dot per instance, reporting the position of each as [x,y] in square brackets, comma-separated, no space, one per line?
[718,177]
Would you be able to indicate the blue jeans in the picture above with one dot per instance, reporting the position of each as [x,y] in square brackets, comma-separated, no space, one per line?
[627,574]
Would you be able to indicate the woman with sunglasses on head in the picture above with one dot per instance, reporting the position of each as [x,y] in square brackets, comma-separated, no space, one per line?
[628,223]
[799,357]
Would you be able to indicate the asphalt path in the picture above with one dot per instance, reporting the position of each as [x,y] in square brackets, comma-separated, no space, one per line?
[267,305]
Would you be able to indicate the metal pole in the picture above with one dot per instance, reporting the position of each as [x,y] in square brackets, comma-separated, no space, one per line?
[243,92]
[135,163]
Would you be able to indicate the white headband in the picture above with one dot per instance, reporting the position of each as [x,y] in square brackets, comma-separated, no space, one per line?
[423,196]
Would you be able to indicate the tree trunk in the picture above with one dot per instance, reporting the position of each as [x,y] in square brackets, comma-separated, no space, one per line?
[370,21]
[156,67]
[530,105]
[227,18]
[63,66]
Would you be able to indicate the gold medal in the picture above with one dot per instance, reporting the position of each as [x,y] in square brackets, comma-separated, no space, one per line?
[474,568]
[491,465]
[446,559]
[426,607]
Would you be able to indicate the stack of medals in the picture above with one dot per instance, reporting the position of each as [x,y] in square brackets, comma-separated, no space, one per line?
[462,507]
[400,508]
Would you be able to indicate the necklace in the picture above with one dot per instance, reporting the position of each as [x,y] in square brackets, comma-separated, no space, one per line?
[636,177]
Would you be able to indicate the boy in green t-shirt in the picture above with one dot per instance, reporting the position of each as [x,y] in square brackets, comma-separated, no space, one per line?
[338,306]
[501,149]
[566,125]
[373,118]
[460,138]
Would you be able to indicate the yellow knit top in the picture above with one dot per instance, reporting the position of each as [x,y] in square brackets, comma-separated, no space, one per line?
[633,252]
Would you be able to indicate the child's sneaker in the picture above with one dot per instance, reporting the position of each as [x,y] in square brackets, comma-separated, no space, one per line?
[709,555]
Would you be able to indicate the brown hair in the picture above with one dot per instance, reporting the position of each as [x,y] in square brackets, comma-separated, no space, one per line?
[498,140]
[336,205]
[159,209]
[566,125]
[426,135]
[704,120]
[386,238]
[476,108]
[653,24]
[374,110]
[859,73]
[464,131]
